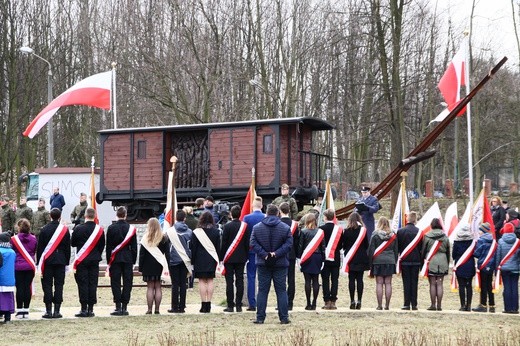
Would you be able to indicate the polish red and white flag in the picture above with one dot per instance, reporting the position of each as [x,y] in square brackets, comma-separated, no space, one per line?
[93,91]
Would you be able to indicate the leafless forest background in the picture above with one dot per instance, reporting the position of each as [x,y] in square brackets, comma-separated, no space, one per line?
[370,67]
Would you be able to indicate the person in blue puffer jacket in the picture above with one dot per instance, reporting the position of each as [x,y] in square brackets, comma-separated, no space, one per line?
[486,273]
[7,278]
[510,269]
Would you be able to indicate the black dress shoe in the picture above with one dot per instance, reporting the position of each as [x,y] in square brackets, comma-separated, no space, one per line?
[414,308]
[358,306]
[56,314]
[82,313]
[47,314]
[116,312]
[406,307]
[239,309]
[285,322]
[258,322]
[353,306]
[251,308]
[171,311]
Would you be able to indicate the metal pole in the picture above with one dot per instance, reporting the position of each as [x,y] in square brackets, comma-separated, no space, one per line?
[50,132]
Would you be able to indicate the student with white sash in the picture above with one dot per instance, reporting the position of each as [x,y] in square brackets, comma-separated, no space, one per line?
[89,241]
[311,254]
[464,265]
[153,263]
[436,255]
[204,251]
[180,260]
[485,268]
[121,256]
[508,266]
[24,245]
[355,263]
[234,255]
[53,256]
[382,255]
[330,272]
[285,217]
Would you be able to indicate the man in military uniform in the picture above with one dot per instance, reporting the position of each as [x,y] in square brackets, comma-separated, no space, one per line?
[8,216]
[23,211]
[40,217]
[288,199]
[77,216]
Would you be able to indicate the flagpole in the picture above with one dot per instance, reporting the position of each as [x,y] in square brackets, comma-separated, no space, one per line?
[173,205]
[114,94]
[468,119]
[403,198]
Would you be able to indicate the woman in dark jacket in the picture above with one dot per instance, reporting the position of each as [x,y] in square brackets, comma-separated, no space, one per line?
[383,265]
[204,246]
[466,271]
[499,214]
[359,262]
[311,268]
[150,266]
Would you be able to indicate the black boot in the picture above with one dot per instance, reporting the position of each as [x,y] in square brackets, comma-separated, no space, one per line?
[83,312]
[124,310]
[48,311]
[208,307]
[90,310]
[56,313]
[202,307]
[117,311]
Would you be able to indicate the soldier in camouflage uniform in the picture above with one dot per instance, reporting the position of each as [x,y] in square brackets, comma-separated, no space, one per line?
[40,217]
[77,216]
[288,199]
[23,211]
[8,216]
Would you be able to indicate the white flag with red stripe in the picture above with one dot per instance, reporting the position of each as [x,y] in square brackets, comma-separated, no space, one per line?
[170,196]
[464,221]
[327,203]
[451,219]
[93,91]
[401,209]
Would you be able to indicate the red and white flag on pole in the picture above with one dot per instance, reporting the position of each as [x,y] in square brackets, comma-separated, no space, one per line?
[247,207]
[171,199]
[452,80]
[451,219]
[401,209]
[93,91]
[327,203]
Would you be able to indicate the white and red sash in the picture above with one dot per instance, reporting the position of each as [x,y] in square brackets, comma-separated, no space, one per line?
[51,246]
[312,246]
[408,249]
[332,245]
[489,257]
[381,248]
[23,251]
[231,250]
[176,242]
[294,227]
[206,243]
[87,248]
[158,256]
[128,237]
[498,277]
[461,261]
[353,250]
[426,266]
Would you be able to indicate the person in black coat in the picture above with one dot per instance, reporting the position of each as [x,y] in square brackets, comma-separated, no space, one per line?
[466,271]
[204,264]
[499,214]
[237,260]
[122,266]
[330,271]
[359,263]
[285,217]
[410,264]
[87,271]
[153,267]
[54,265]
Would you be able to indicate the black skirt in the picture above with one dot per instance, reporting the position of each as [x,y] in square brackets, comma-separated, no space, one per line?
[313,264]
[204,275]
[147,278]
[383,269]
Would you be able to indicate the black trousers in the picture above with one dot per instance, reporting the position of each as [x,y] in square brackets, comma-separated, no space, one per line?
[486,288]
[24,280]
[87,280]
[53,274]
[234,277]
[410,274]
[125,272]
[178,274]
[329,281]
[291,281]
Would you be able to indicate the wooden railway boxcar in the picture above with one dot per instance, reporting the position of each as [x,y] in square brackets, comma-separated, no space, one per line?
[213,159]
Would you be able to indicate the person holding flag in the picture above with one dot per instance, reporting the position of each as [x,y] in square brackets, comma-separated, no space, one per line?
[330,272]
[464,265]
[355,246]
[311,252]
[410,260]
[53,255]
[436,257]
[382,255]
[24,245]
[121,255]
[486,267]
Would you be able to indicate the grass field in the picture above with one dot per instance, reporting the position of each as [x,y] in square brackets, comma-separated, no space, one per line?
[341,327]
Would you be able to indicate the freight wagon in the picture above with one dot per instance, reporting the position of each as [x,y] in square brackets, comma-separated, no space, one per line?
[213,159]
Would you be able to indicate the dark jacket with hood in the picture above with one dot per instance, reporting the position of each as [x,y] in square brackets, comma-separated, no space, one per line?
[272,235]
[463,241]
[481,251]
[504,245]
[185,235]
[405,236]
[389,255]
[439,263]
